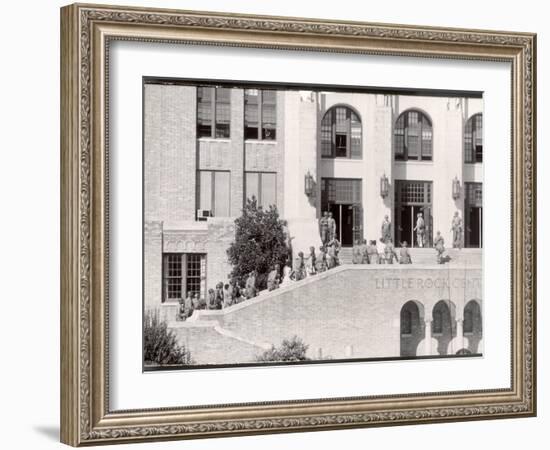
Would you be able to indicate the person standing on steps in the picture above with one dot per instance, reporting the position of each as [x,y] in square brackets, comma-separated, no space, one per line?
[324,228]
[420,229]
[439,245]
[404,254]
[385,230]
[357,253]
[331,227]
[389,252]
[457,228]
[273,279]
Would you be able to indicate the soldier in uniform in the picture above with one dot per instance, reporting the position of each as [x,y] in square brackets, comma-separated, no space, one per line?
[311,264]
[273,279]
[456,228]
[211,303]
[372,252]
[357,253]
[389,252]
[219,295]
[251,285]
[439,245]
[420,229]
[332,253]
[299,267]
[287,272]
[404,255]
[323,228]
[331,227]
[322,260]
[364,252]
[385,230]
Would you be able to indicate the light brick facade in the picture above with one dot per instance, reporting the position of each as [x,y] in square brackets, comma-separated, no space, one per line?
[174,156]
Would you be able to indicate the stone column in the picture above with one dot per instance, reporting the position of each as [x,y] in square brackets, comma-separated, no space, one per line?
[460,333]
[300,157]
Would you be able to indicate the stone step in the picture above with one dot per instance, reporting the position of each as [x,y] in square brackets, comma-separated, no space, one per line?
[466,256]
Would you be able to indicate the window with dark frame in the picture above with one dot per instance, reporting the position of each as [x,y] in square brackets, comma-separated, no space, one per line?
[213,112]
[473,139]
[262,186]
[214,192]
[341,134]
[260,114]
[413,137]
[182,274]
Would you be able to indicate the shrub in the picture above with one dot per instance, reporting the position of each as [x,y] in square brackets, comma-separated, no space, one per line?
[160,345]
[290,350]
[259,243]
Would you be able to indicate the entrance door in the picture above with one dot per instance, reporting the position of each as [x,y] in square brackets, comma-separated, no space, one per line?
[342,197]
[344,216]
[473,231]
[407,222]
[473,215]
[412,198]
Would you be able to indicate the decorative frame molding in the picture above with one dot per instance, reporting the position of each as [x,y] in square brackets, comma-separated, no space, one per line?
[86,31]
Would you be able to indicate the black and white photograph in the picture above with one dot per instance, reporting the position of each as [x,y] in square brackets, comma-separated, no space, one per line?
[287,224]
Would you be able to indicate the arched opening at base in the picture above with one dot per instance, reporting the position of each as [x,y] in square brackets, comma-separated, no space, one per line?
[443,325]
[411,327]
[473,329]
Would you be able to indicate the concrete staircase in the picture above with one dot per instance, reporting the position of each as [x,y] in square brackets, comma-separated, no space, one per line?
[466,256]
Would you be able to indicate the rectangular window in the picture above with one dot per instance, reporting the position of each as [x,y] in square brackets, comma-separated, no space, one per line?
[183,273]
[478,138]
[260,114]
[214,192]
[213,112]
[262,186]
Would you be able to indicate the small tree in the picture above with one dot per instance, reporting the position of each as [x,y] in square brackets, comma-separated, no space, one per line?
[259,243]
[160,345]
[290,350]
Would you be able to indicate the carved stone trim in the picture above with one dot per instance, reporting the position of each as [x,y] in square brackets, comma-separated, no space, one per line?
[88,15]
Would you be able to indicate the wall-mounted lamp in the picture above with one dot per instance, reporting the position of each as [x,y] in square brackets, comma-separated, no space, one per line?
[384,186]
[456,188]
[308,184]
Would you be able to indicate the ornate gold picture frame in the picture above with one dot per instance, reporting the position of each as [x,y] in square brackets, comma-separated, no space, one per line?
[87,31]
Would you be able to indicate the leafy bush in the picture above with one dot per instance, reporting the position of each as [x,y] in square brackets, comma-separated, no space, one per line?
[259,243]
[160,345]
[290,350]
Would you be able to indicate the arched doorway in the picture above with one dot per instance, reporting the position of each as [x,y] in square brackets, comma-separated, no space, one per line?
[473,327]
[411,327]
[443,325]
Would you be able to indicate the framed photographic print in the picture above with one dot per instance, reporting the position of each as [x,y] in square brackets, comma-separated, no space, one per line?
[276,224]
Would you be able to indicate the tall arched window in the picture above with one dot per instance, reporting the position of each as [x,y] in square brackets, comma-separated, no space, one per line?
[413,137]
[473,139]
[341,134]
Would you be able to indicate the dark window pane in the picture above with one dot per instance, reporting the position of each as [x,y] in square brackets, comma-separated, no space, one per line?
[250,132]
[341,145]
[326,134]
[172,273]
[341,134]
[223,112]
[204,111]
[473,139]
[413,137]
[251,113]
